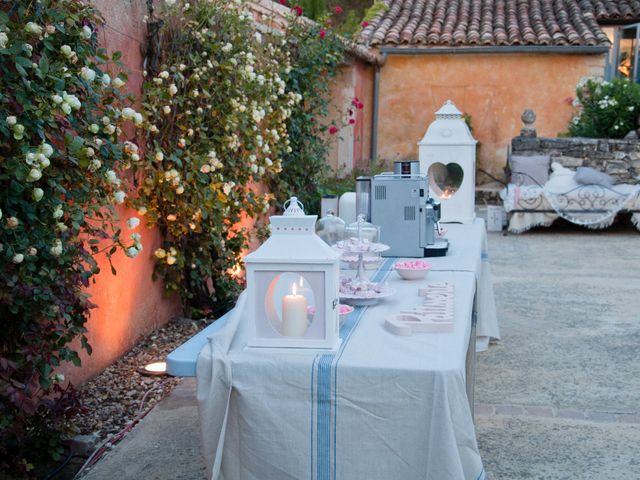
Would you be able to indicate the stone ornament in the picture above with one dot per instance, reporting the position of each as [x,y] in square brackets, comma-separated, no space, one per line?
[528,119]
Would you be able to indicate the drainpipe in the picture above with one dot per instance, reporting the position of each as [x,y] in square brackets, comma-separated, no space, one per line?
[376,108]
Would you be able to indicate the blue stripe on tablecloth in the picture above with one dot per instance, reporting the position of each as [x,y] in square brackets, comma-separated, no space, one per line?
[482,475]
[327,371]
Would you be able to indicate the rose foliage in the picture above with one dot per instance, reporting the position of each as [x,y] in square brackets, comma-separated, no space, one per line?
[60,114]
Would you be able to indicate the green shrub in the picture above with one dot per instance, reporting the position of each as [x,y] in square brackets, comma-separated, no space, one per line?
[605,109]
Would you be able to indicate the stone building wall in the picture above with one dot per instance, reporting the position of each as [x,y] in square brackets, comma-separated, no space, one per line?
[618,158]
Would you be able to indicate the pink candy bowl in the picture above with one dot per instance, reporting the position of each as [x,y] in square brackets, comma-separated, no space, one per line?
[412,269]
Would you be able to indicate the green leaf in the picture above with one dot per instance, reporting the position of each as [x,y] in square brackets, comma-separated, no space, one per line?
[116,56]
[43,64]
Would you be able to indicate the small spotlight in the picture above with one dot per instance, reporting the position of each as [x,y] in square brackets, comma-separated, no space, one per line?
[154,369]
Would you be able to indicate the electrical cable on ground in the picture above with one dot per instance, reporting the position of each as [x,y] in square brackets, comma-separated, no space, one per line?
[110,442]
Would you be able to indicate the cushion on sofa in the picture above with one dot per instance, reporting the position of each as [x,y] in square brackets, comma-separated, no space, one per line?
[561,180]
[591,176]
[530,170]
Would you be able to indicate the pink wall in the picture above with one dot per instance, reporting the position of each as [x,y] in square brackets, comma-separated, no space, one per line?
[130,305]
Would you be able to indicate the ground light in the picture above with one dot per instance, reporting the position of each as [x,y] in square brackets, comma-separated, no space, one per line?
[154,369]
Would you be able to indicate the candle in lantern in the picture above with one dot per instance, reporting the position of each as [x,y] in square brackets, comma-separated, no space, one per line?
[294,314]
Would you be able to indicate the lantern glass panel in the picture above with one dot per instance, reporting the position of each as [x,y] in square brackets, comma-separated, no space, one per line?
[445,180]
[293,304]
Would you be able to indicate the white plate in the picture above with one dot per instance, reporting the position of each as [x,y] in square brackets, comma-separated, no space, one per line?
[346,247]
[368,299]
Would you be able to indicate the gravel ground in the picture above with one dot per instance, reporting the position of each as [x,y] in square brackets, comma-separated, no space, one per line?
[115,397]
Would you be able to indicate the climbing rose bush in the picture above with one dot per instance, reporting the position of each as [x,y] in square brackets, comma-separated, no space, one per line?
[61,113]
[217,110]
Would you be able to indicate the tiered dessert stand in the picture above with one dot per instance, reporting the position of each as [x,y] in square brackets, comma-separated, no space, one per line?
[359,290]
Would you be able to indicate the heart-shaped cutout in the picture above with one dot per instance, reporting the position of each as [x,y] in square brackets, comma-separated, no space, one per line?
[445,180]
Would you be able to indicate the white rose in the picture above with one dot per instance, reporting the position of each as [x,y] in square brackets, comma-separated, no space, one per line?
[62,227]
[12,222]
[66,108]
[166,109]
[11,120]
[88,74]
[32,251]
[86,32]
[94,128]
[173,89]
[95,165]
[56,250]
[58,213]
[66,50]
[142,210]
[118,82]
[90,152]
[171,260]
[169,3]
[138,119]
[180,190]
[119,196]
[159,156]
[57,99]
[45,162]
[105,120]
[128,113]
[17,258]
[4,39]
[164,74]
[111,176]
[105,80]
[34,175]
[132,252]
[37,194]
[34,28]
[109,129]
[46,149]
[135,157]
[133,222]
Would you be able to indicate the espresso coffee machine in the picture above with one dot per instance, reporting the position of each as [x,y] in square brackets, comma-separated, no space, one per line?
[399,203]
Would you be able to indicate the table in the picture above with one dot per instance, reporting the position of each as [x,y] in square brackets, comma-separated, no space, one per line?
[381,407]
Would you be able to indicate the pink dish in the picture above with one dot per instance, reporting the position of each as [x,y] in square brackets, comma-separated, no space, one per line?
[412,269]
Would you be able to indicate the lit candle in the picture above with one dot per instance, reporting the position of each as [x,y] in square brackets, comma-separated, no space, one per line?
[294,314]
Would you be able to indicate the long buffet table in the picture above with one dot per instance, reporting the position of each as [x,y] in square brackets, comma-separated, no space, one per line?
[380,407]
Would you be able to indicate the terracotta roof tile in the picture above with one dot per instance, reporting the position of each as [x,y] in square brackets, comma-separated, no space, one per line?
[612,10]
[495,22]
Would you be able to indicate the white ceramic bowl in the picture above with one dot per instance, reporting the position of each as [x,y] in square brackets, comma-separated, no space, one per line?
[412,269]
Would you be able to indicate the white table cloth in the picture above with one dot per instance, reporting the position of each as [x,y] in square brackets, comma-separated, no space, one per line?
[381,407]
[468,253]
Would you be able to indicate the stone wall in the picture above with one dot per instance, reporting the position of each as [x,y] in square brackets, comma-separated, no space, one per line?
[618,158]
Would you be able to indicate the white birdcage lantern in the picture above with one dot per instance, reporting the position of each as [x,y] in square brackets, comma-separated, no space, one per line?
[447,154]
[292,285]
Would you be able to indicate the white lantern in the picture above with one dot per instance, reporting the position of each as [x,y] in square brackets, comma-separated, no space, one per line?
[292,285]
[447,154]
